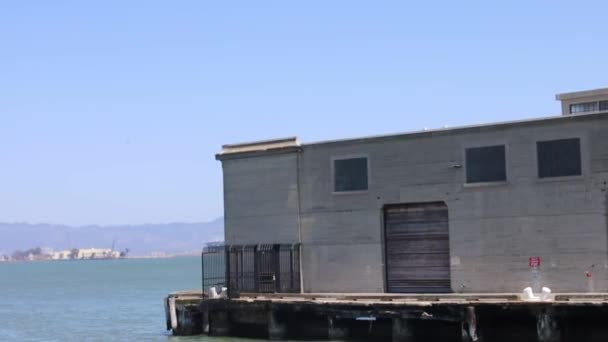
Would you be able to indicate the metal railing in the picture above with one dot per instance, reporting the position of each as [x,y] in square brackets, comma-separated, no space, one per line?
[267,268]
[213,267]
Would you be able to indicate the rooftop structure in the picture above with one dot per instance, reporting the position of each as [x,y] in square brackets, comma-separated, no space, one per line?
[588,101]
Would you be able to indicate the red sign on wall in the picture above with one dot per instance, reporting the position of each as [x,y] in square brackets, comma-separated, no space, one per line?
[534,261]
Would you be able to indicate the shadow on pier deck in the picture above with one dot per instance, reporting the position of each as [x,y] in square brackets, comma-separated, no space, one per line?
[389,317]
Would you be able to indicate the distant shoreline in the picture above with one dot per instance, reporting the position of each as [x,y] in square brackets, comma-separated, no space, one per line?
[164,256]
[134,257]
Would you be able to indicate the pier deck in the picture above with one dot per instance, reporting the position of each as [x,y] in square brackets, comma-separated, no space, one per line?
[392,317]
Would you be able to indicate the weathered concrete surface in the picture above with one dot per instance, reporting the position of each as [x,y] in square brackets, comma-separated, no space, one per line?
[277,327]
[263,200]
[402,330]
[337,328]
[219,323]
[183,314]
[548,328]
[412,318]
[494,229]
[469,325]
[383,317]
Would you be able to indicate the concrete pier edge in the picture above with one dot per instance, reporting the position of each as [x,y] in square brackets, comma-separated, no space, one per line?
[467,317]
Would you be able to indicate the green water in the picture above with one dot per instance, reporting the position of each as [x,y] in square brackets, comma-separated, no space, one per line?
[109,300]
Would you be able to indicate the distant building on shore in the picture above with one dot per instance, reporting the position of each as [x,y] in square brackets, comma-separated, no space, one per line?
[97,253]
[37,254]
[61,255]
[86,254]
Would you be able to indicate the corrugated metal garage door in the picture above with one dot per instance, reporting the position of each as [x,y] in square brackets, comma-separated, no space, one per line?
[417,248]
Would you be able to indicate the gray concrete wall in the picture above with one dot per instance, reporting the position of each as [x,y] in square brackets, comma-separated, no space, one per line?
[494,229]
[261,199]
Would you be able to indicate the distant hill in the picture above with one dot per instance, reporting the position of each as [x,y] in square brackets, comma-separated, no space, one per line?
[145,239]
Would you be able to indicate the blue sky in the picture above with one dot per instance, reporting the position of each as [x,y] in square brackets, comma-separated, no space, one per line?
[111,111]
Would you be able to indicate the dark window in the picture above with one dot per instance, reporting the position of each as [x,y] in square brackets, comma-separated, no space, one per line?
[583,107]
[350,174]
[486,164]
[603,105]
[559,158]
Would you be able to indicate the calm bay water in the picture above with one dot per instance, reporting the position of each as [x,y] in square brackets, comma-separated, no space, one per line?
[109,300]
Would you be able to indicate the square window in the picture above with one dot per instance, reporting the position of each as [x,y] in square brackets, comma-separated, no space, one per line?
[559,158]
[350,174]
[603,105]
[486,164]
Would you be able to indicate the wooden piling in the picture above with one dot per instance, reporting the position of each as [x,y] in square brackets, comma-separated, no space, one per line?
[402,330]
[469,325]
[547,326]
[219,323]
[277,329]
[337,329]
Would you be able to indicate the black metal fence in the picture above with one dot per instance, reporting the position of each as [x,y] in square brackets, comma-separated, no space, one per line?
[213,268]
[271,268]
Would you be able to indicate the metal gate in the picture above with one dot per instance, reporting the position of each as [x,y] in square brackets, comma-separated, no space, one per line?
[417,248]
[252,268]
